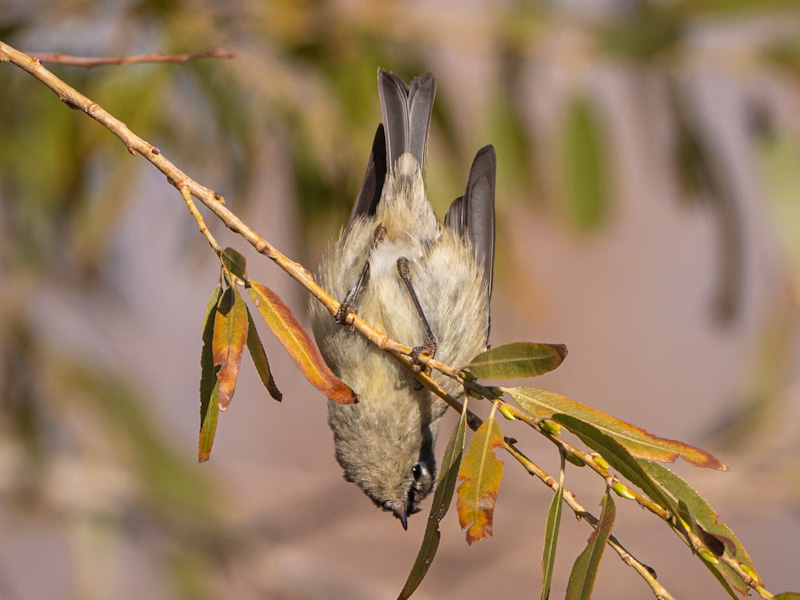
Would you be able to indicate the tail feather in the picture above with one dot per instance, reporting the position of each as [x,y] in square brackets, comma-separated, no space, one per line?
[406,114]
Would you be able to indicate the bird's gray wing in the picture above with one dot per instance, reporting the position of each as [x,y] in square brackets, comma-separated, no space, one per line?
[406,114]
[370,193]
[472,214]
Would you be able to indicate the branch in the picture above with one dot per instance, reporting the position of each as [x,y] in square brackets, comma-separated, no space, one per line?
[90,62]
[215,203]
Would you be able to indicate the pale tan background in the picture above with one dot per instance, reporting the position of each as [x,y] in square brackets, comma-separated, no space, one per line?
[633,299]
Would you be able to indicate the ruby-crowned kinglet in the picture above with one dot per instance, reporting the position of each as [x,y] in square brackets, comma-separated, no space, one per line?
[424,284]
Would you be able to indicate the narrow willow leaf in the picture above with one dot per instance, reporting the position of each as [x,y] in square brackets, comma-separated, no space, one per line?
[480,476]
[543,405]
[585,153]
[442,498]
[787,596]
[517,360]
[230,336]
[584,571]
[703,516]
[619,458]
[259,356]
[551,533]
[298,344]
[209,391]
[715,571]
[235,262]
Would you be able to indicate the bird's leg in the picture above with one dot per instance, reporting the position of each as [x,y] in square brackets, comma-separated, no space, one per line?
[349,302]
[429,348]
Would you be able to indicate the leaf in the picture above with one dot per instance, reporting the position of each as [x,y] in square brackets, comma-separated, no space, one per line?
[235,262]
[787,596]
[259,356]
[298,344]
[543,405]
[517,360]
[480,476]
[230,336]
[442,498]
[618,457]
[585,172]
[551,533]
[209,390]
[584,571]
[704,520]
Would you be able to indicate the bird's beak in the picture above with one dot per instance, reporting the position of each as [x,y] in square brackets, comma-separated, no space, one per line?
[401,512]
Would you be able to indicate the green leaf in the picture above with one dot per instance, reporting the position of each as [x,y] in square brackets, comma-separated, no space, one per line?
[787,596]
[704,520]
[618,457]
[540,404]
[584,571]
[585,153]
[442,498]
[209,390]
[715,571]
[481,474]
[779,155]
[298,344]
[230,336]
[517,360]
[551,533]
[259,356]
[235,262]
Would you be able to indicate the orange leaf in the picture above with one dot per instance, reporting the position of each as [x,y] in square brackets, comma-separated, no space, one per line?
[480,475]
[641,444]
[230,336]
[298,344]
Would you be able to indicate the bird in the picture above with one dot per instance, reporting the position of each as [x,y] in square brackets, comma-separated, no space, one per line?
[424,283]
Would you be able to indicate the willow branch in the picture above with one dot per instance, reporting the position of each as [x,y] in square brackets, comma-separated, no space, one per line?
[189,188]
[90,62]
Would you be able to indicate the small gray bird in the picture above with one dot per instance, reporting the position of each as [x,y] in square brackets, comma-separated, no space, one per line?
[424,284]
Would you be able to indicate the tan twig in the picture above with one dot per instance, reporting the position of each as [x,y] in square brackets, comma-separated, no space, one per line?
[215,203]
[90,62]
[187,197]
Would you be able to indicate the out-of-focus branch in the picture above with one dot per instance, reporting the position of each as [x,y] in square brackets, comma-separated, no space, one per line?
[90,62]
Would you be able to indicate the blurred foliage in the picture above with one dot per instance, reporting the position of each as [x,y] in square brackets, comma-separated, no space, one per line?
[306,77]
[585,175]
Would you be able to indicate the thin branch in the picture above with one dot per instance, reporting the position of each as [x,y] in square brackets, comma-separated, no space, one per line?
[215,203]
[509,445]
[187,197]
[90,62]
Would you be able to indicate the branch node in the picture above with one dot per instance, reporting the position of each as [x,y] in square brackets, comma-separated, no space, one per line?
[155,150]
[93,108]
[68,102]
[131,149]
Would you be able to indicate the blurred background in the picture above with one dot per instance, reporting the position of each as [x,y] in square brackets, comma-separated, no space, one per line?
[648,211]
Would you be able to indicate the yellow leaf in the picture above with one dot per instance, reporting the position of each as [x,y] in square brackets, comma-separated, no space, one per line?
[641,444]
[230,336]
[480,475]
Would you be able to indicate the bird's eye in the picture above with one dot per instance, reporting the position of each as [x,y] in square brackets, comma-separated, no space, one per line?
[417,471]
